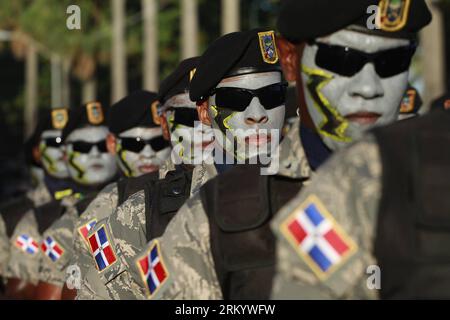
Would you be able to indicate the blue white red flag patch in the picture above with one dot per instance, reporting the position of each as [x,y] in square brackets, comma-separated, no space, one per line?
[317,238]
[101,249]
[152,269]
[52,249]
[84,230]
[27,244]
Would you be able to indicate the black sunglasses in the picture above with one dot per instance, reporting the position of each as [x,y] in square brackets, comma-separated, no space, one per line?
[347,62]
[137,144]
[185,116]
[238,99]
[85,147]
[53,142]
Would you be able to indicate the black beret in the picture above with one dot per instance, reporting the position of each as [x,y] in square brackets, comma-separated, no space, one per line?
[234,54]
[135,110]
[304,20]
[89,114]
[49,119]
[442,102]
[178,81]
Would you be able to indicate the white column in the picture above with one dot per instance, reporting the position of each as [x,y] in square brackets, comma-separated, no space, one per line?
[31,90]
[189,29]
[150,32]
[118,54]
[56,80]
[230,16]
[433,56]
[89,90]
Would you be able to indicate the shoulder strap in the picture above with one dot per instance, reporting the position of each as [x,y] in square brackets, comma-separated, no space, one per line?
[82,204]
[129,186]
[47,214]
[13,211]
[242,243]
[413,213]
[168,195]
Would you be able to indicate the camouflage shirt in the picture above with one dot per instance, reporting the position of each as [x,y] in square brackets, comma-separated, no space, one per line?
[340,207]
[25,253]
[4,248]
[57,248]
[100,208]
[126,233]
[38,196]
[184,251]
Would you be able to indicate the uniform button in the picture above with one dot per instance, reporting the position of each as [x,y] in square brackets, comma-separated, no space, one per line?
[176,191]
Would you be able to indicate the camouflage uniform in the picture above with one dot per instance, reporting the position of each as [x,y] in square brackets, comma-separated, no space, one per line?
[127,235]
[4,248]
[347,198]
[25,265]
[60,235]
[185,248]
[38,196]
[67,232]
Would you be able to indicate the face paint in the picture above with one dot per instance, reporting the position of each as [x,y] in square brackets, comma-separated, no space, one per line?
[52,154]
[148,159]
[248,133]
[182,119]
[342,108]
[94,167]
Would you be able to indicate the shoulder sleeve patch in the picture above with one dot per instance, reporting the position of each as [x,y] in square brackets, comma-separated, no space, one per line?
[27,244]
[317,238]
[84,230]
[52,249]
[101,249]
[152,269]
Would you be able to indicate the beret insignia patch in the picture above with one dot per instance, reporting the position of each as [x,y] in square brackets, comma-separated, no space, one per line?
[393,14]
[268,47]
[408,101]
[95,113]
[59,118]
[317,238]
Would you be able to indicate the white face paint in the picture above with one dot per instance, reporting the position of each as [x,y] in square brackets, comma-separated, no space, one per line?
[94,167]
[357,103]
[252,127]
[52,157]
[134,164]
[182,135]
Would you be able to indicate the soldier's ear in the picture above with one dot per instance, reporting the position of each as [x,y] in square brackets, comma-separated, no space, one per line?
[111,143]
[289,58]
[203,114]
[165,127]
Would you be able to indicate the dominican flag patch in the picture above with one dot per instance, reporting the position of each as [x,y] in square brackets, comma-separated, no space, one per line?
[27,244]
[317,238]
[52,249]
[152,269]
[101,249]
[84,230]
